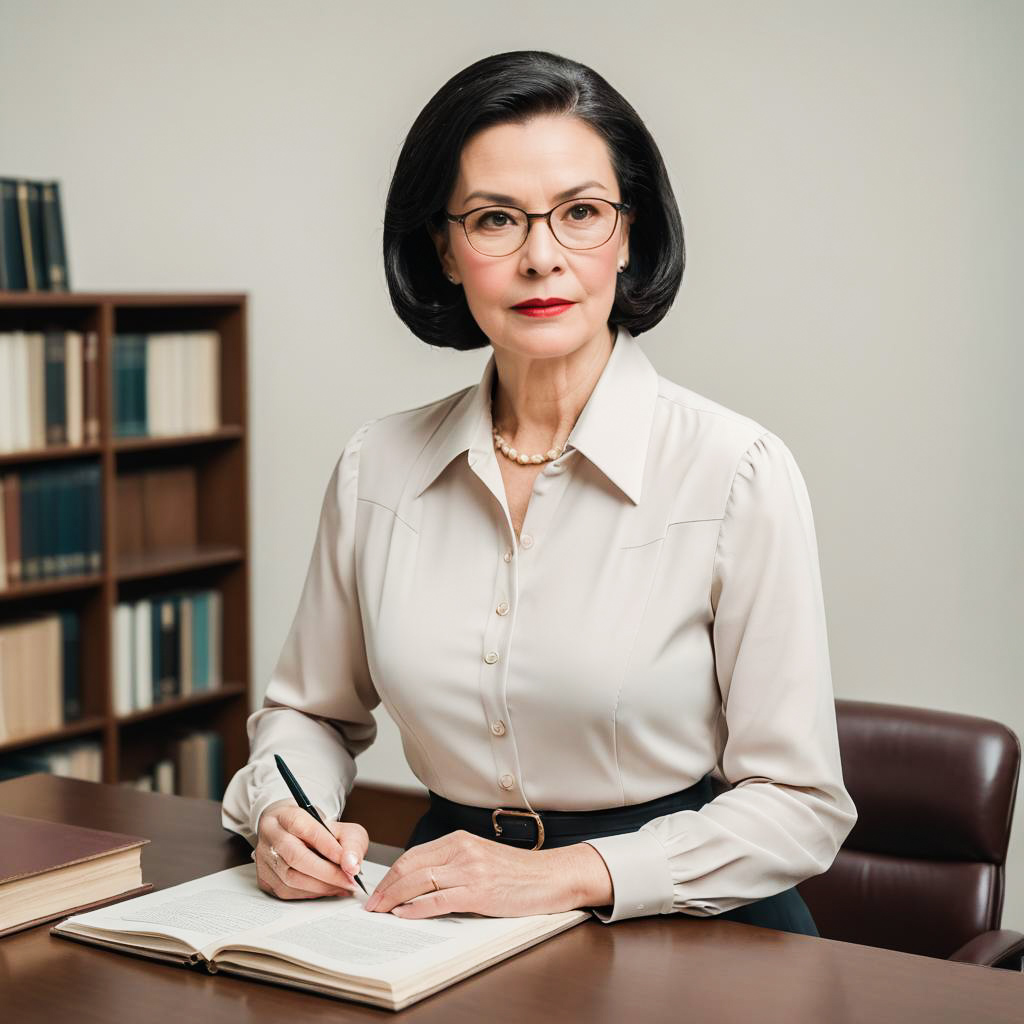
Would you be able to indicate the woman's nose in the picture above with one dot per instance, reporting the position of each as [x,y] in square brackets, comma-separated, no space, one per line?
[540,252]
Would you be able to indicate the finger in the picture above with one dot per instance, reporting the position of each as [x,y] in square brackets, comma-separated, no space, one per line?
[296,857]
[406,887]
[447,901]
[291,884]
[437,851]
[354,840]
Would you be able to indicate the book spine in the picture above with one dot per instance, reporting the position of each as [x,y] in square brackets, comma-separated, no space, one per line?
[13,258]
[54,386]
[12,524]
[25,230]
[91,385]
[35,226]
[53,238]
[72,676]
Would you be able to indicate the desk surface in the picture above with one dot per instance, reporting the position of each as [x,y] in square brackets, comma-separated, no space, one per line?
[667,968]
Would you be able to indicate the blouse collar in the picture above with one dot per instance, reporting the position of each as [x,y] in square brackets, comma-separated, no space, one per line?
[612,431]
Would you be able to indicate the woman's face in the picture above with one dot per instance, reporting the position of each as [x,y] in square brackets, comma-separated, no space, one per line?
[535,166]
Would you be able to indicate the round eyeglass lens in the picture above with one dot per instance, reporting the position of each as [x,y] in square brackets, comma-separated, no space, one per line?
[576,223]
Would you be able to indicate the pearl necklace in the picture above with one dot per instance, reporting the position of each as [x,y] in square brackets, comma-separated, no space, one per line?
[521,457]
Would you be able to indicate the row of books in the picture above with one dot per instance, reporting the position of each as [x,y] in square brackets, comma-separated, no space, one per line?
[49,389]
[40,675]
[195,769]
[166,646]
[32,252]
[166,383]
[50,523]
[80,759]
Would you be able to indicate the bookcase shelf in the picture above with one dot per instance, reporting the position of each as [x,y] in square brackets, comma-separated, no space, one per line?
[217,464]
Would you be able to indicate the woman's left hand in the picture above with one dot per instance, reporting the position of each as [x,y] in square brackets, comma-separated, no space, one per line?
[480,876]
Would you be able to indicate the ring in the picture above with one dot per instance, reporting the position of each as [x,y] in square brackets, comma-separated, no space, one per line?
[433,881]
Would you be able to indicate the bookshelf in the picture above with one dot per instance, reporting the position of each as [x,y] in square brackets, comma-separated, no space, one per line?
[218,560]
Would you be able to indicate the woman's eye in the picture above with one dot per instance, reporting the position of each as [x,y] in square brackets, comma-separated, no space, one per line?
[496,219]
[581,211]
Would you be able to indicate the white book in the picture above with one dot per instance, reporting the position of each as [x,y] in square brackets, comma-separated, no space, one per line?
[164,776]
[210,371]
[124,659]
[21,347]
[155,384]
[142,670]
[73,396]
[330,945]
[7,390]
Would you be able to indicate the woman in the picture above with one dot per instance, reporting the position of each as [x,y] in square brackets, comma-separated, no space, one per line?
[580,589]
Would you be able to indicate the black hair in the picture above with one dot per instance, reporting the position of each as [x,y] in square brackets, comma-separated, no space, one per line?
[513,87]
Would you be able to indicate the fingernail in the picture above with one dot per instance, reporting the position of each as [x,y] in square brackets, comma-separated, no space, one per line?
[352,861]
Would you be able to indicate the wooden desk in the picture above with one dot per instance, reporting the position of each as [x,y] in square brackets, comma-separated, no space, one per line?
[669,968]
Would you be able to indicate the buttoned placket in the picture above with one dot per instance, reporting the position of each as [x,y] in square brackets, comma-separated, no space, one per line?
[514,564]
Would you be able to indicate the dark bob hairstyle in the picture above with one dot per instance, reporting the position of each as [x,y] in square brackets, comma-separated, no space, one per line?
[513,87]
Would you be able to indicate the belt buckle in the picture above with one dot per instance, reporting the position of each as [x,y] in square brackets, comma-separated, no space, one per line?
[519,814]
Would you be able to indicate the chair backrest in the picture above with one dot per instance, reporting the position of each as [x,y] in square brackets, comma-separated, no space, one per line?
[923,869]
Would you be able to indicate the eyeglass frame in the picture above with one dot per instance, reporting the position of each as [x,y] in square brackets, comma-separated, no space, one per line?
[460,218]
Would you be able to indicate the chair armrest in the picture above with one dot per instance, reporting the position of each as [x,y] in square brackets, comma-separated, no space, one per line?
[1002,948]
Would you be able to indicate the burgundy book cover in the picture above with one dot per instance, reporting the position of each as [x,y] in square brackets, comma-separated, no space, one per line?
[30,846]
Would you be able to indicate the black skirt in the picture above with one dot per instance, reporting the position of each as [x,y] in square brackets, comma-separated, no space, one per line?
[785,911]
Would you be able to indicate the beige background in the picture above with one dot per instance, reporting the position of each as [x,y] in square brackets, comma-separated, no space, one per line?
[849,181]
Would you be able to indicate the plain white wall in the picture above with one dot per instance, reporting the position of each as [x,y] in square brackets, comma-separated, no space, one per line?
[844,173]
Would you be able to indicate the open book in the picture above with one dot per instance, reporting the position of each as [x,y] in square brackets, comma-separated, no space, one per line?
[329,945]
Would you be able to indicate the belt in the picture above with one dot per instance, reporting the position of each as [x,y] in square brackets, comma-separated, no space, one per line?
[534,829]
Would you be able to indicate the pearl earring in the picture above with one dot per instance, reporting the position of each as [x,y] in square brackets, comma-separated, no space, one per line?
[451,277]
[622,266]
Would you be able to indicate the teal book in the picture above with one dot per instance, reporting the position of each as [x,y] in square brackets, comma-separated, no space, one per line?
[54,249]
[70,666]
[39,279]
[55,387]
[12,254]
[200,642]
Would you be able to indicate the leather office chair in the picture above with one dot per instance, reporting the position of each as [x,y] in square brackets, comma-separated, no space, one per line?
[923,869]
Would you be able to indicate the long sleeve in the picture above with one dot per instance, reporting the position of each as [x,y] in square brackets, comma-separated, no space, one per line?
[788,811]
[317,710]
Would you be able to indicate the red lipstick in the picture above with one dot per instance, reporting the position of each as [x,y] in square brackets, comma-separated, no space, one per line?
[543,307]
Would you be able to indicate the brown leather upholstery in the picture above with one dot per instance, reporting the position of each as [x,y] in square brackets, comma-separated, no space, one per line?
[923,869]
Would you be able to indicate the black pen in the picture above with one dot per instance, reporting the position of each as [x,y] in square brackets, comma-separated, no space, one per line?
[303,801]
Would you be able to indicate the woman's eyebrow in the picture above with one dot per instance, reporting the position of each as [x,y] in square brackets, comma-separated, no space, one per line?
[496,197]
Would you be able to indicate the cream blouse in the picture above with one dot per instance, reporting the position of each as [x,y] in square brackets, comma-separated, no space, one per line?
[660,617]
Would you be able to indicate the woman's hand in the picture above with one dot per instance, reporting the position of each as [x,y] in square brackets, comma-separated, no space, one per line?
[480,876]
[288,867]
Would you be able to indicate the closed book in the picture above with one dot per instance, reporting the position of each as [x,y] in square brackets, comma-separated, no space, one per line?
[12,254]
[49,870]
[25,228]
[12,527]
[73,376]
[40,279]
[72,677]
[54,249]
[55,387]
[143,650]
[30,526]
[91,387]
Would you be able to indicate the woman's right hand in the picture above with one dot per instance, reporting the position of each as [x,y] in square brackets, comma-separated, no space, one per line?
[297,872]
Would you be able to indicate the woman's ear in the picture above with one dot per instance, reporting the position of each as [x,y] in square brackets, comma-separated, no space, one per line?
[444,253]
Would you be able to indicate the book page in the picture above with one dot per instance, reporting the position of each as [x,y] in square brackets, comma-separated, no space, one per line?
[208,910]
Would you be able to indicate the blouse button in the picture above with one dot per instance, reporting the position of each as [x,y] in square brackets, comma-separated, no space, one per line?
[498,728]
[508,555]
[502,608]
[491,657]
[507,782]
[526,541]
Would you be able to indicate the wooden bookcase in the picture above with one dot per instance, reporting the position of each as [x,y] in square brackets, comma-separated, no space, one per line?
[132,743]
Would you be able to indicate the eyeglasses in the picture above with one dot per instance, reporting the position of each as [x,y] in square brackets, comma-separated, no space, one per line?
[582,223]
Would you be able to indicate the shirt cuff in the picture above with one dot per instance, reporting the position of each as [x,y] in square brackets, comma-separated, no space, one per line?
[641,877]
[250,830]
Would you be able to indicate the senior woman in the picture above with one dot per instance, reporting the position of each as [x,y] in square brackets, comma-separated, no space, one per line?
[580,590]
